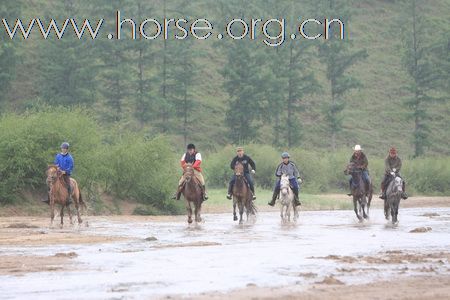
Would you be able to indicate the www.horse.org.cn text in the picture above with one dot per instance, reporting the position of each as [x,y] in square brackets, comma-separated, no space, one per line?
[272,32]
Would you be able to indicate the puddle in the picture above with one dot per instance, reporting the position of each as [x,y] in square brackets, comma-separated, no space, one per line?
[161,258]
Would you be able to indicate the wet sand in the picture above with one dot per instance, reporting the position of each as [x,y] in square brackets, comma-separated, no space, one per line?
[327,255]
[416,288]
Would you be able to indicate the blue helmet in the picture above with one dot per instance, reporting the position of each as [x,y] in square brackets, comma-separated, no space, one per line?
[65,145]
[285,155]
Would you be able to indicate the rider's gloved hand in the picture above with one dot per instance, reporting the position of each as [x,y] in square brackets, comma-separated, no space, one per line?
[253,171]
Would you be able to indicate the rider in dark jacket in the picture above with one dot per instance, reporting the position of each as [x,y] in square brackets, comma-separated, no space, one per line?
[392,163]
[359,159]
[245,160]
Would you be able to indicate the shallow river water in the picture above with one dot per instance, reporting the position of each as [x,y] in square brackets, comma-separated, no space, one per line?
[220,255]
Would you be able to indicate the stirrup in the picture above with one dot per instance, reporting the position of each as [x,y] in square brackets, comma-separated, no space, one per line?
[253,197]
[229,196]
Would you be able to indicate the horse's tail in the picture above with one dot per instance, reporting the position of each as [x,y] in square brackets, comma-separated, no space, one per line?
[251,207]
[81,201]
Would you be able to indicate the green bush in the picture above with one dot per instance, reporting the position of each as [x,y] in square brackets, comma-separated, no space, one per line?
[29,142]
[140,169]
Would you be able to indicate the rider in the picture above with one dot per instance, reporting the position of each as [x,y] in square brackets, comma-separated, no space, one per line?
[359,159]
[289,168]
[245,160]
[195,158]
[392,162]
[64,161]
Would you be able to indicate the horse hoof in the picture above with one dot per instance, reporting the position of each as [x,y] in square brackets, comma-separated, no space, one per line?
[189,221]
[235,218]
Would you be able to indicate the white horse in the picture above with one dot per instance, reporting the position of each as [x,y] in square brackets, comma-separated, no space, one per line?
[394,192]
[287,200]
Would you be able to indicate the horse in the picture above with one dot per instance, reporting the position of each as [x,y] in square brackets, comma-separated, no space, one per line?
[287,200]
[242,196]
[361,192]
[59,194]
[192,192]
[394,192]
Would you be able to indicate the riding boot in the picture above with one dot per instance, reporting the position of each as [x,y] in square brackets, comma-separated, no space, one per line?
[253,193]
[350,185]
[69,198]
[274,197]
[296,198]
[177,194]
[205,195]
[230,191]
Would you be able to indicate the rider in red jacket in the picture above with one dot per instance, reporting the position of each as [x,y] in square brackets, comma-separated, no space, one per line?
[195,158]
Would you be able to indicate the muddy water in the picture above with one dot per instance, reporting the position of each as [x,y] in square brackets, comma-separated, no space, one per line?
[221,255]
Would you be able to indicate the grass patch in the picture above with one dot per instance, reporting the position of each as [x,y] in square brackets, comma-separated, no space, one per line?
[309,202]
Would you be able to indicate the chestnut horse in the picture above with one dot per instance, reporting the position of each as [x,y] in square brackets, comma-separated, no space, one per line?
[59,194]
[193,193]
[242,196]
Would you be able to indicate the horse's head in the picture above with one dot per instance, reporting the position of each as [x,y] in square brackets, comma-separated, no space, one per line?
[284,184]
[53,173]
[398,184]
[188,172]
[349,169]
[239,169]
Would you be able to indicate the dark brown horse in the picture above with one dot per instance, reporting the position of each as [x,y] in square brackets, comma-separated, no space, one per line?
[59,194]
[242,196]
[361,192]
[193,193]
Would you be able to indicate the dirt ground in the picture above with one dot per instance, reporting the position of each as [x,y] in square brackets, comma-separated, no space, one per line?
[415,288]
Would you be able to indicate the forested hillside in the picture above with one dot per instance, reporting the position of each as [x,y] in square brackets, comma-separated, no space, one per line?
[128,107]
[234,91]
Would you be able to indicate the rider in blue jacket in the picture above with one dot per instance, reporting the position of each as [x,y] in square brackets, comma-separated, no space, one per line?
[64,161]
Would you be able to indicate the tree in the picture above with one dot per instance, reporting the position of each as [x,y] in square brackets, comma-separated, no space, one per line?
[67,65]
[290,79]
[9,10]
[115,69]
[423,74]
[338,58]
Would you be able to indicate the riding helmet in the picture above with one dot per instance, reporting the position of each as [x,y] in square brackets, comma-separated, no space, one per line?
[285,155]
[65,145]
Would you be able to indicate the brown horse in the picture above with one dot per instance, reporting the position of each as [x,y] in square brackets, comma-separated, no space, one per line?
[242,196]
[361,192]
[193,193]
[59,194]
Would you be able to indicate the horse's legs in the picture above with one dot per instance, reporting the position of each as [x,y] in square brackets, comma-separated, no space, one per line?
[281,212]
[386,209]
[62,216]
[355,208]
[198,208]
[52,214]
[189,211]
[364,207]
[394,210]
[77,207]
[241,211]
[234,210]
[70,214]
[288,212]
